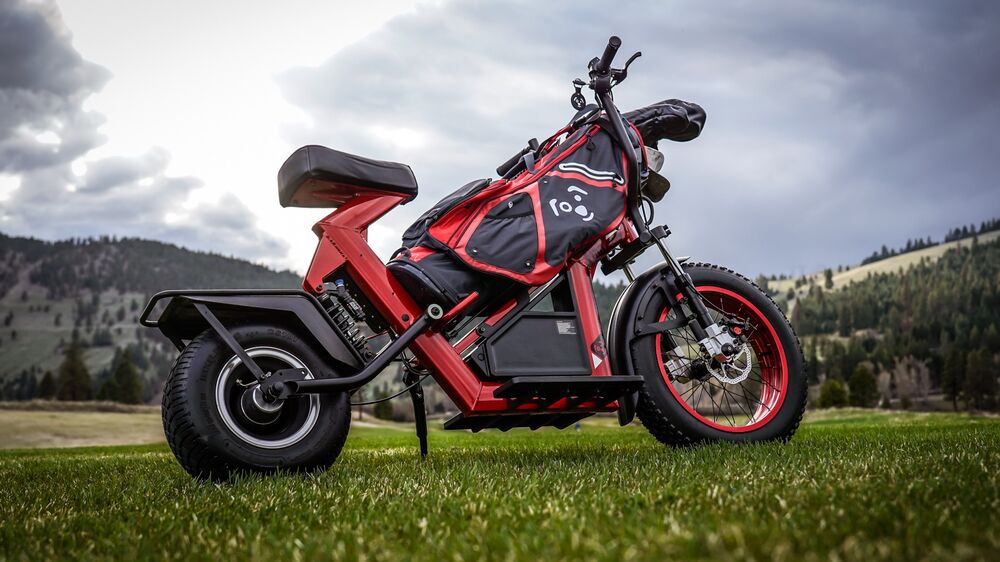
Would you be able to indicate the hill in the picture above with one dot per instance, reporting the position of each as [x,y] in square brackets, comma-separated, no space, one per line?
[70,267]
[933,326]
[96,288]
[888,265]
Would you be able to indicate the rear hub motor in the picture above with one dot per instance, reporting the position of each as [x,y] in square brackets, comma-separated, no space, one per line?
[250,416]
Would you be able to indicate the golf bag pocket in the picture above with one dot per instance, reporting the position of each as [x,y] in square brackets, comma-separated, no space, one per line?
[507,237]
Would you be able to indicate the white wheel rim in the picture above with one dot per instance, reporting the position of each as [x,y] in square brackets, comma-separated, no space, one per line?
[222,403]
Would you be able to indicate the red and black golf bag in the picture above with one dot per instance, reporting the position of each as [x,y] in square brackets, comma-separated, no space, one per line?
[557,197]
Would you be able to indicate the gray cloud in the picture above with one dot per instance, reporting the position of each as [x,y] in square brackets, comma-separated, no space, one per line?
[833,127]
[43,84]
[133,197]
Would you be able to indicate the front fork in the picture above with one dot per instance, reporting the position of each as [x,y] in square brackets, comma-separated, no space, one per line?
[716,342]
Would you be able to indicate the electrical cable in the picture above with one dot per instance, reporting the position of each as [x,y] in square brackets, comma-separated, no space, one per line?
[397,395]
[410,369]
[642,209]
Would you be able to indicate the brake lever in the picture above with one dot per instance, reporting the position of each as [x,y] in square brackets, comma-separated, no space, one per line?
[630,59]
[622,73]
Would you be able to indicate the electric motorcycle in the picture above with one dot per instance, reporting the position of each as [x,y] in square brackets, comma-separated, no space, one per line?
[491,295]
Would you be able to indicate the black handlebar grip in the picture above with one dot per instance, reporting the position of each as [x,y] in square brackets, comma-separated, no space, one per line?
[507,166]
[604,65]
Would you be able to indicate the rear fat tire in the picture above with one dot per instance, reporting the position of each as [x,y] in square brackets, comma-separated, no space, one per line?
[669,420]
[199,436]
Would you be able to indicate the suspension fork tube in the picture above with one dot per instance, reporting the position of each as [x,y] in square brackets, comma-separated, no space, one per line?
[686,287]
[627,269]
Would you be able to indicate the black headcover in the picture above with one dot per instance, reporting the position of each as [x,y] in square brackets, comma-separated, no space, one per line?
[674,120]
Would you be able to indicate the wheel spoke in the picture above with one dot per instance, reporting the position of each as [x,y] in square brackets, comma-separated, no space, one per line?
[756,403]
[734,398]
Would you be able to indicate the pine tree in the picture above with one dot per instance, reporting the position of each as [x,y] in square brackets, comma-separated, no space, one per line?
[992,338]
[953,375]
[74,380]
[109,390]
[812,369]
[47,389]
[127,381]
[864,391]
[980,380]
[843,321]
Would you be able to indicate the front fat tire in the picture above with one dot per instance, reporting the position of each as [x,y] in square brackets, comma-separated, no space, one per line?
[198,435]
[668,421]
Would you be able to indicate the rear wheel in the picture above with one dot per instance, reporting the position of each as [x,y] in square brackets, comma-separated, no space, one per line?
[759,395]
[217,421]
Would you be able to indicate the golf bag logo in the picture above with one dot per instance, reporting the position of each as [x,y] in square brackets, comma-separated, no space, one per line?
[587,171]
[565,207]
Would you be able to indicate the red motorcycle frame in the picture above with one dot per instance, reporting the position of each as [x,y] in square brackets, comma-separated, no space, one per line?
[343,233]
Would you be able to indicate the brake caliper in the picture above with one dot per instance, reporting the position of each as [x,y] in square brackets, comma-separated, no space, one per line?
[733,364]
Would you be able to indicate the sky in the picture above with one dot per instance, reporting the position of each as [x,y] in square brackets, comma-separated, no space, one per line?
[833,127]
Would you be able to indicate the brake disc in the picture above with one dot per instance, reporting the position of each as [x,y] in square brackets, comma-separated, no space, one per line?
[729,368]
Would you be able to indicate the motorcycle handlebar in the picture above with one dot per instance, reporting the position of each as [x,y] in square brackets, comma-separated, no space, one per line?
[603,65]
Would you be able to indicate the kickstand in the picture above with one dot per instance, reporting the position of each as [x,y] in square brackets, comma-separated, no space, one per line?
[419,415]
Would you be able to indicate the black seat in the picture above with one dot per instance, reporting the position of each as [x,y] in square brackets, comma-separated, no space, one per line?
[312,165]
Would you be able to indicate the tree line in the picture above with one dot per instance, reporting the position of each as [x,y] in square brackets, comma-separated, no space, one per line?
[957,233]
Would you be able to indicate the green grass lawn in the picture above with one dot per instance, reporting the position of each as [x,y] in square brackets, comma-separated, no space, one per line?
[852,486]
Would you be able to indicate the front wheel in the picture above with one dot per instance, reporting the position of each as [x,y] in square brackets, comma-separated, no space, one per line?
[759,395]
[217,421]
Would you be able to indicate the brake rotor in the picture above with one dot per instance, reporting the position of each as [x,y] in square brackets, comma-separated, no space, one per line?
[725,372]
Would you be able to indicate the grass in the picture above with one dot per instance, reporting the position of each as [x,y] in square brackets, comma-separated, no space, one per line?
[73,429]
[855,485]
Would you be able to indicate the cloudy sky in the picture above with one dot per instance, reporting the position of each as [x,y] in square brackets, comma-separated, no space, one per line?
[833,127]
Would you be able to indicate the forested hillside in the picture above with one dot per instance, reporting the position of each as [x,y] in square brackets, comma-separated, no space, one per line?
[934,326]
[68,310]
[68,268]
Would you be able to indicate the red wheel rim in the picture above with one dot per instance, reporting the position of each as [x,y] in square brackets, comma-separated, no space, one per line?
[738,407]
